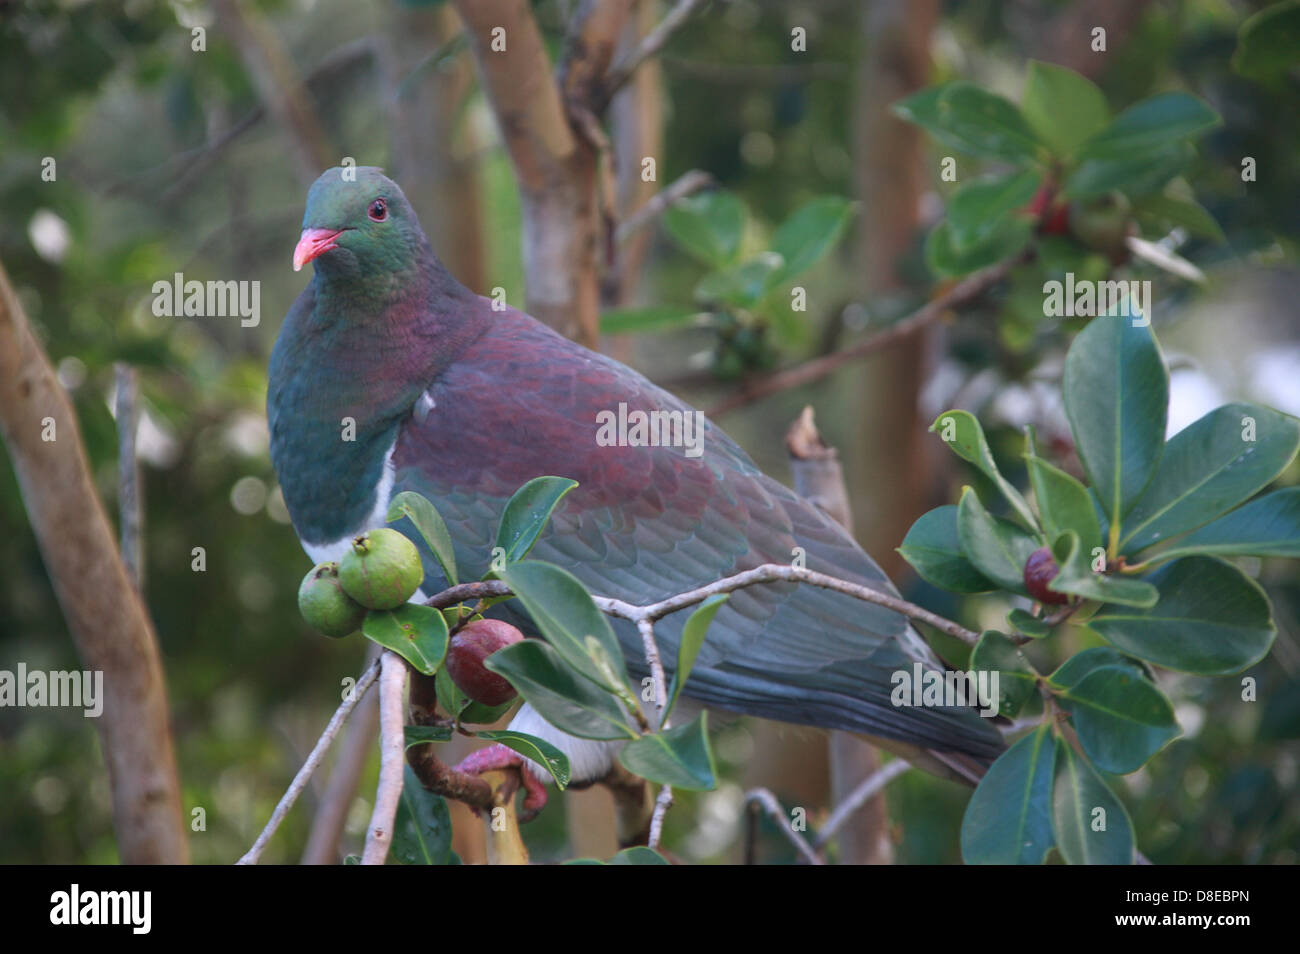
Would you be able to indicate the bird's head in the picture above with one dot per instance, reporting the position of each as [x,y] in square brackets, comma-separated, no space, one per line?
[358,220]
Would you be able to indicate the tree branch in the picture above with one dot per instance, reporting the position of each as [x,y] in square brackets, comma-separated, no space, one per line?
[868,788]
[757,799]
[653,42]
[392,743]
[963,293]
[313,760]
[687,184]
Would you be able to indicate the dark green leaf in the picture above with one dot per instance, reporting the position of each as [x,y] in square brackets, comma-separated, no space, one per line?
[527,512]
[1012,234]
[1208,468]
[415,632]
[986,124]
[1017,681]
[997,548]
[1133,175]
[1211,620]
[1092,827]
[977,210]
[1084,662]
[1150,125]
[1063,503]
[638,855]
[1062,106]
[420,734]
[922,108]
[1121,719]
[1267,43]
[1116,398]
[426,519]
[1028,623]
[809,233]
[707,225]
[693,633]
[422,826]
[1185,214]
[962,432]
[933,549]
[562,697]
[618,321]
[680,757]
[1077,577]
[539,750]
[1008,820]
[1267,526]
[563,610]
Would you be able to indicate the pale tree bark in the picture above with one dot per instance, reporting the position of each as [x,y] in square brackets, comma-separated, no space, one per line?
[104,611]
[889,466]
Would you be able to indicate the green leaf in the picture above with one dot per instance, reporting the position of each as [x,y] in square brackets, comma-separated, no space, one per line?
[563,610]
[1139,175]
[620,321]
[416,633]
[707,225]
[1017,680]
[977,210]
[1149,126]
[527,512]
[997,548]
[426,519]
[942,257]
[693,633]
[680,757]
[809,233]
[1008,819]
[1267,43]
[1116,399]
[1028,623]
[1084,662]
[1185,214]
[476,713]
[1208,468]
[933,548]
[422,826]
[988,125]
[1267,526]
[1063,107]
[743,285]
[1077,577]
[1121,719]
[1211,620]
[962,432]
[562,697]
[1063,503]
[922,108]
[420,734]
[539,750]
[638,855]
[1092,826]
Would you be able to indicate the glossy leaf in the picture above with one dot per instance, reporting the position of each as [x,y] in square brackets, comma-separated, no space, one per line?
[422,826]
[680,757]
[1017,681]
[1208,468]
[1077,577]
[562,697]
[420,734]
[976,210]
[1116,399]
[1085,661]
[988,125]
[1185,214]
[539,750]
[1267,526]
[1091,825]
[945,260]
[1121,719]
[1029,624]
[693,634]
[1063,503]
[527,512]
[1008,819]
[707,225]
[933,549]
[415,632]
[1139,175]
[1150,125]
[1267,43]
[1063,107]
[1211,620]
[997,548]
[963,434]
[809,233]
[426,519]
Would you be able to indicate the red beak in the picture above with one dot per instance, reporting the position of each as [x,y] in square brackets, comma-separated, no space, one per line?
[314,243]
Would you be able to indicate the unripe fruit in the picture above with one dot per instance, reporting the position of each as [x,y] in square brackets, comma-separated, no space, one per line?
[1041,569]
[1102,223]
[325,606]
[477,641]
[381,569]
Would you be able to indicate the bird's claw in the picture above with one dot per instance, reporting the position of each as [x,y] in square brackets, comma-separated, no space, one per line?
[498,756]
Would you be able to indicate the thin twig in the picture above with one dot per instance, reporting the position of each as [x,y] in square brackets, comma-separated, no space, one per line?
[771,573]
[651,44]
[662,804]
[313,760]
[963,293]
[392,745]
[768,802]
[646,628]
[467,591]
[857,798]
[687,184]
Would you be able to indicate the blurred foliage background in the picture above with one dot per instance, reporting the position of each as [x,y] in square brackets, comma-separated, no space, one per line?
[166,161]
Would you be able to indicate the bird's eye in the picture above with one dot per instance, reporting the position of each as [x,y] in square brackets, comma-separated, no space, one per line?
[379,210]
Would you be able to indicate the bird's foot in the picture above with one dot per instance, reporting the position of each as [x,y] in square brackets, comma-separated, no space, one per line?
[498,756]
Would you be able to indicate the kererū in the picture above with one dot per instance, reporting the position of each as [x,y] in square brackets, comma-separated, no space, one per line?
[441,393]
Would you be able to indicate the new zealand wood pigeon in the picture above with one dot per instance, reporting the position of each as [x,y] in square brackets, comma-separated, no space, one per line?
[463,403]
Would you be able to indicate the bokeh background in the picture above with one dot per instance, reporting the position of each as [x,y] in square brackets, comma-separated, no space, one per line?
[167,161]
